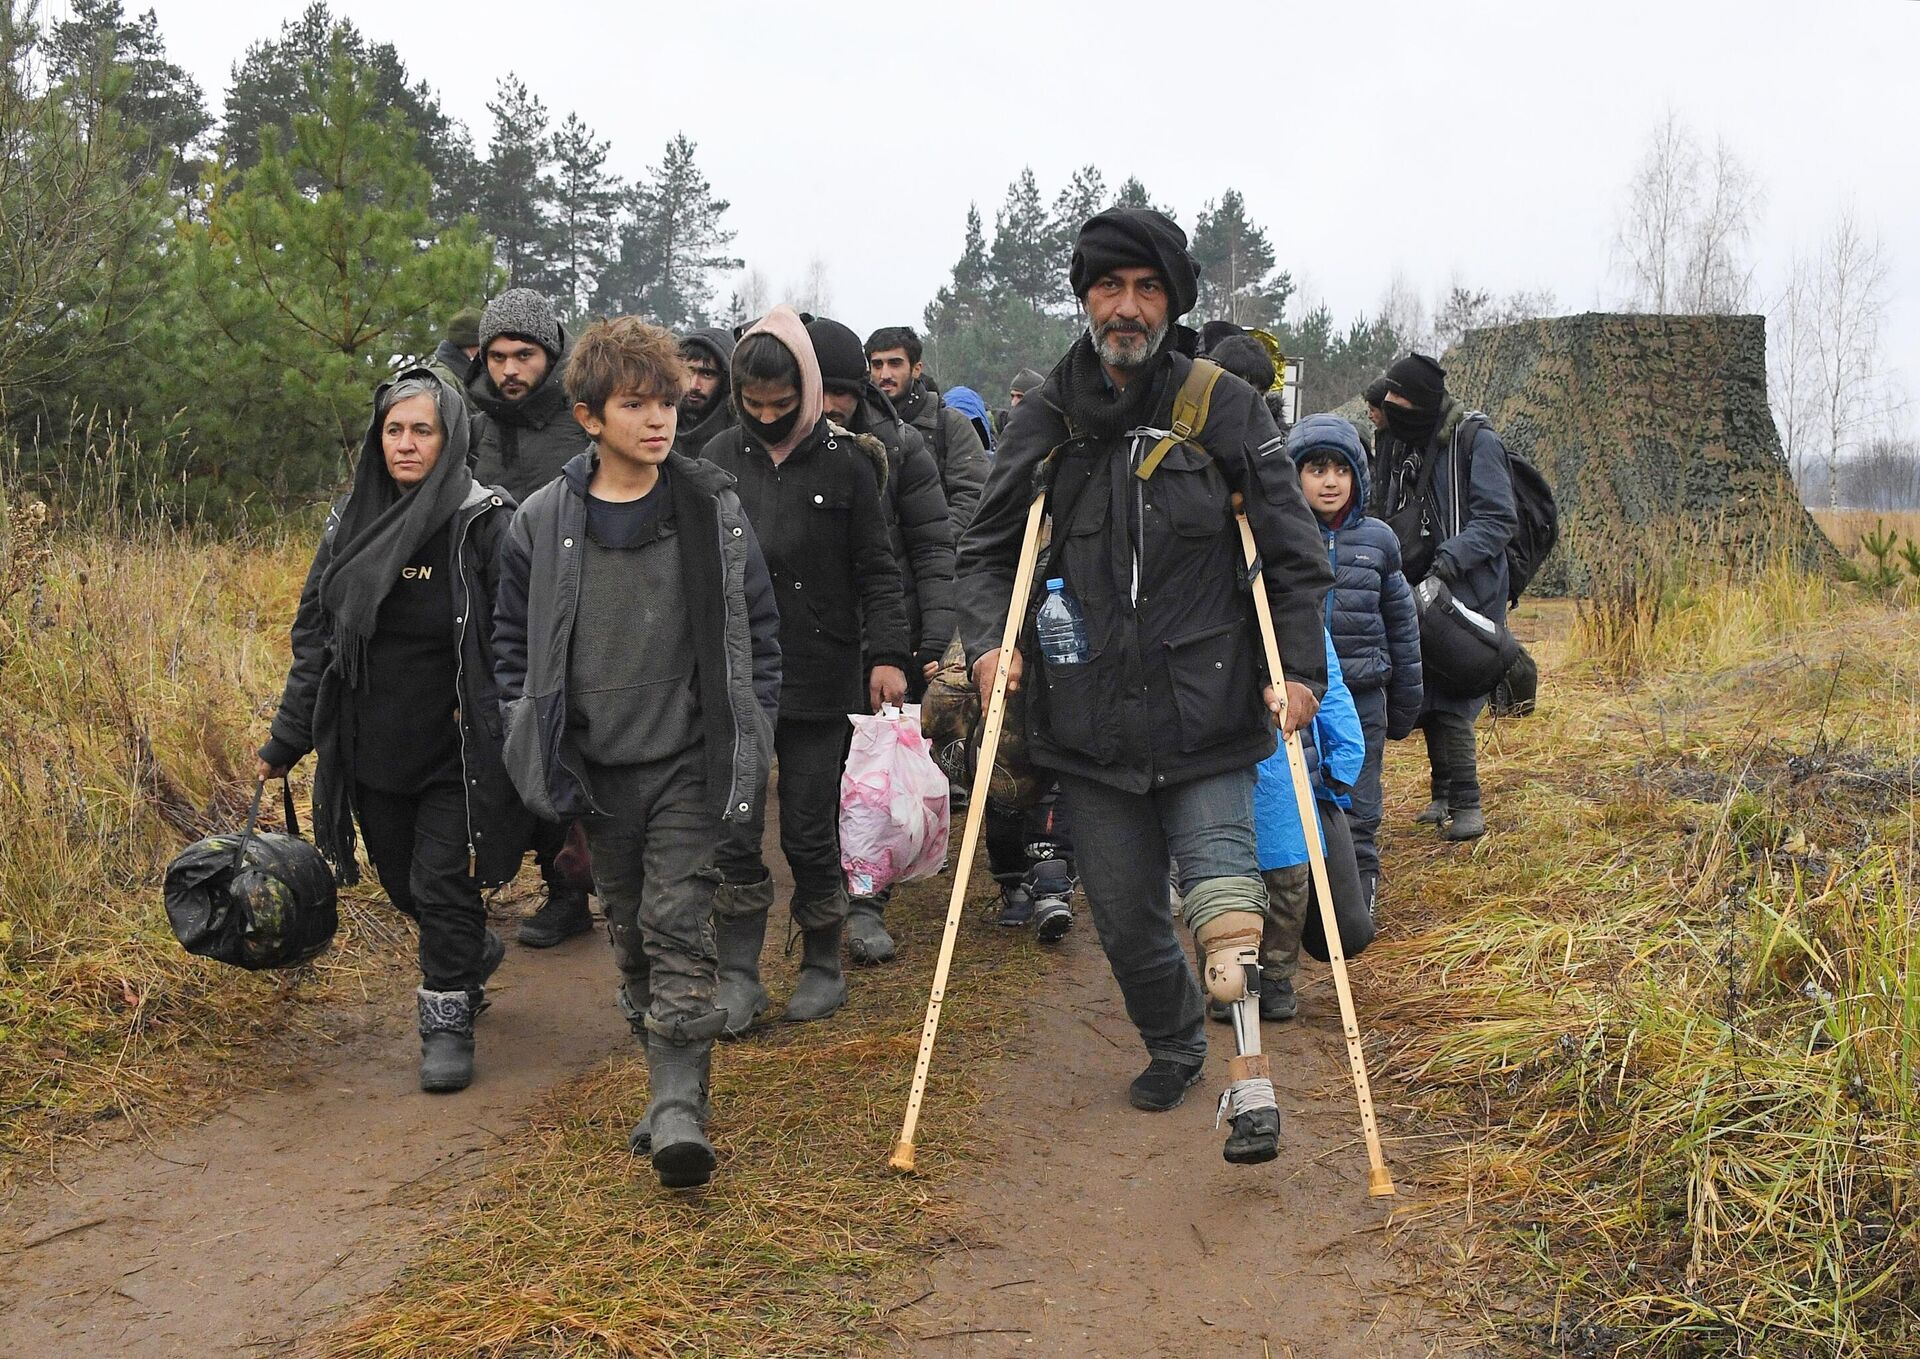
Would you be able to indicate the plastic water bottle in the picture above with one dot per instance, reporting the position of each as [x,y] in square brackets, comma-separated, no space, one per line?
[1062,627]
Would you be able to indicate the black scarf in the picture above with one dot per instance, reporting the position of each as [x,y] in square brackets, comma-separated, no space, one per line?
[1093,408]
[381,527]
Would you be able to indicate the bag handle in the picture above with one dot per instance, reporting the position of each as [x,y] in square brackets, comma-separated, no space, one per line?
[253,817]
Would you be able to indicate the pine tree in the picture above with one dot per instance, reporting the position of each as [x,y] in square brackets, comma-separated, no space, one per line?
[1022,259]
[271,83]
[308,295]
[517,192]
[159,103]
[670,244]
[586,201]
[1133,194]
[1085,196]
[1235,260]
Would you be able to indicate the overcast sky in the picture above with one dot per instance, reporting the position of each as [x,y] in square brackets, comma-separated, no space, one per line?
[1485,139]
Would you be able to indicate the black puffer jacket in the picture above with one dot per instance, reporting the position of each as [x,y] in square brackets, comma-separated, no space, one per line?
[498,827]
[1171,691]
[820,524]
[918,524]
[522,445]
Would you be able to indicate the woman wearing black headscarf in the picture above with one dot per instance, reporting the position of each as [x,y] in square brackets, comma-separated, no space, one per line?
[392,685]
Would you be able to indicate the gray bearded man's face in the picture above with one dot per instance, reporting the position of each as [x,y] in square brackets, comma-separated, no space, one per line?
[1125,342]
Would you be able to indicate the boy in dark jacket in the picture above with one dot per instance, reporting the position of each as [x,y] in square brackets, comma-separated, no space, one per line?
[1370,612]
[639,668]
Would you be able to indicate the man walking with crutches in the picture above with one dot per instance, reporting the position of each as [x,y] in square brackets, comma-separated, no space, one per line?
[1149,704]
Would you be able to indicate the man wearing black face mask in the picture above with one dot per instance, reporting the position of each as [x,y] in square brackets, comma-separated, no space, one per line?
[1449,497]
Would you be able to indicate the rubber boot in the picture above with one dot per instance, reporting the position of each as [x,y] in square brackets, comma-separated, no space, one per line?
[822,987]
[446,1040]
[677,1118]
[1435,813]
[868,942]
[1466,823]
[564,914]
[738,936]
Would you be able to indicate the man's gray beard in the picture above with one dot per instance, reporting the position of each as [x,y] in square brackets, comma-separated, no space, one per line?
[1116,357]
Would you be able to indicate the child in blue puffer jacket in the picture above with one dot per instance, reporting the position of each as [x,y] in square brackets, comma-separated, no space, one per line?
[1335,751]
[1370,612]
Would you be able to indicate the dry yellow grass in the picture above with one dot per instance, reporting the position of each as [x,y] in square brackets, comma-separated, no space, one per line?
[1847,527]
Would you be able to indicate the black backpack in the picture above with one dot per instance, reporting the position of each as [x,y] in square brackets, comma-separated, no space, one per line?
[1416,523]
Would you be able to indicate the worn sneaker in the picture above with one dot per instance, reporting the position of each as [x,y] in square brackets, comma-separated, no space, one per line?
[1163,1084]
[1016,907]
[564,914]
[1052,918]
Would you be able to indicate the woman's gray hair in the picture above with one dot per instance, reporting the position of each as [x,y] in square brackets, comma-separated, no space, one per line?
[422,385]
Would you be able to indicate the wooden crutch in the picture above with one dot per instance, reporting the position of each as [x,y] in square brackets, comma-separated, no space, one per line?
[1379,1179]
[902,1158]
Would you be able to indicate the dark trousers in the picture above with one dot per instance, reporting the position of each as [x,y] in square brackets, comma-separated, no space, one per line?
[1012,833]
[652,853]
[1363,818]
[418,844]
[1122,844]
[549,838]
[809,755]
[1456,774]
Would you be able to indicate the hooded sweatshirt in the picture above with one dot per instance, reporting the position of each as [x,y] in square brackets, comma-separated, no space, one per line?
[694,435]
[813,499]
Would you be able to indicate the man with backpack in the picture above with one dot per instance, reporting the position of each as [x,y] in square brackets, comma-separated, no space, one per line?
[894,359]
[1156,714]
[1449,497]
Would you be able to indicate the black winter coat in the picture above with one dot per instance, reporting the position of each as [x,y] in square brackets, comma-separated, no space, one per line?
[918,525]
[498,827]
[824,535]
[522,445]
[1172,691]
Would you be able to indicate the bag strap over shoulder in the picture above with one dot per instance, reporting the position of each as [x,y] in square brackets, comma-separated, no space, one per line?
[1191,405]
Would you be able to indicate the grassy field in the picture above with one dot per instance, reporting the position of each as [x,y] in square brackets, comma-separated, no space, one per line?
[1663,1024]
[1847,527]
[137,672]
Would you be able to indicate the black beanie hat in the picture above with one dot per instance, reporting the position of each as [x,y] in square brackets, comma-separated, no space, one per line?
[1419,379]
[1123,238]
[1375,392]
[843,360]
[1213,332]
[1025,381]
[1247,359]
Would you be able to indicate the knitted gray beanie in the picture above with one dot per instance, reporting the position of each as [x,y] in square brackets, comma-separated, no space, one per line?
[524,313]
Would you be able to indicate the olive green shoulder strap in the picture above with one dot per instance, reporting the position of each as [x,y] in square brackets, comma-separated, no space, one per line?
[1190,406]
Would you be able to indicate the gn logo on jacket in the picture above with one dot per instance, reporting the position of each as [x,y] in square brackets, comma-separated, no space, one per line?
[416,573]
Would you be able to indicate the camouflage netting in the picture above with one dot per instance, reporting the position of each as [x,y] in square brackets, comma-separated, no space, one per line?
[1654,431]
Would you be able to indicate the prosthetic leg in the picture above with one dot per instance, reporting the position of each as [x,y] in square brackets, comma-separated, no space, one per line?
[1231,943]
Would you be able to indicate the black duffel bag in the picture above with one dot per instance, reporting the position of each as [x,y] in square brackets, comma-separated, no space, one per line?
[256,900]
[1463,654]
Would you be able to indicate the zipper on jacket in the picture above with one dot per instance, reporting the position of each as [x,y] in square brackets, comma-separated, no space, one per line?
[459,689]
[726,659]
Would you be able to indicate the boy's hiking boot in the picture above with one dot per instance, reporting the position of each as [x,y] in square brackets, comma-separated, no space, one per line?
[676,1123]
[738,939]
[1052,918]
[1050,883]
[1434,814]
[868,942]
[1016,906]
[1466,823]
[1163,1084]
[822,987]
[564,914]
[446,1040]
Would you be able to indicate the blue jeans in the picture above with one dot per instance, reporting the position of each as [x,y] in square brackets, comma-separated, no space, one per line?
[1121,846]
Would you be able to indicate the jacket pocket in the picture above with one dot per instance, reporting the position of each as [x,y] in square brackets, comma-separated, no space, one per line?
[1080,712]
[1214,688]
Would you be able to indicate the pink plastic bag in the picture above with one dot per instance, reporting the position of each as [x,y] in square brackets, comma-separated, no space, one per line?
[893,803]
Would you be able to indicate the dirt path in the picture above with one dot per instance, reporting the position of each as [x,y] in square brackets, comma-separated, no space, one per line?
[231,1238]
[1105,1233]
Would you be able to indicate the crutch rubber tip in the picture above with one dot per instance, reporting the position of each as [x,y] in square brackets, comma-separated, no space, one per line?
[902,1160]
[1379,1182]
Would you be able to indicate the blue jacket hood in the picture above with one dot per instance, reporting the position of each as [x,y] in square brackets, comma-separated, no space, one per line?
[968,403]
[1332,434]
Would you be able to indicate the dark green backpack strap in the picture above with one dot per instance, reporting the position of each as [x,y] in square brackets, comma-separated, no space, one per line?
[1191,405]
